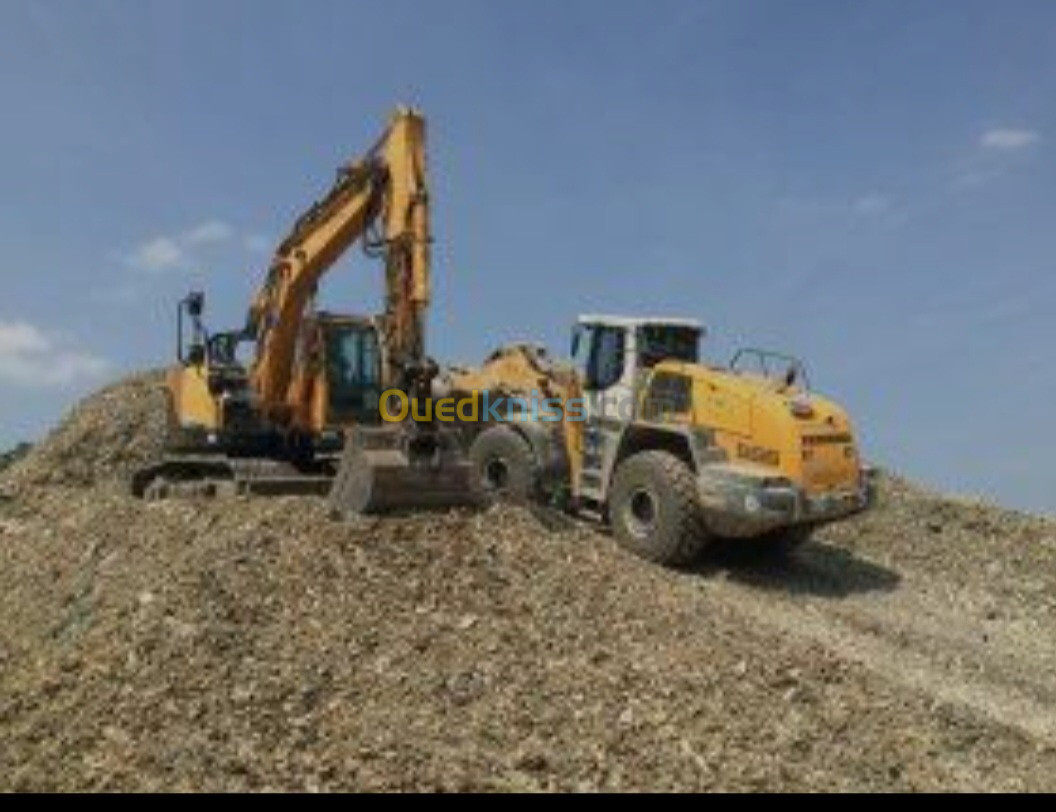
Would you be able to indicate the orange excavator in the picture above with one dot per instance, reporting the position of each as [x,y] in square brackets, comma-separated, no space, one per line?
[278,422]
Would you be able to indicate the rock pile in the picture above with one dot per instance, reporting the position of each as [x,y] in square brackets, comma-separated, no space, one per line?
[254,644]
[13,455]
[103,439]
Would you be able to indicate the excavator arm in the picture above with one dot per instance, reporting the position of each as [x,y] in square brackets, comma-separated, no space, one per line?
[382,200]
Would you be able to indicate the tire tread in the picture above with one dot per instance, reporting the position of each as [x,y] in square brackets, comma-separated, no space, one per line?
[689,538]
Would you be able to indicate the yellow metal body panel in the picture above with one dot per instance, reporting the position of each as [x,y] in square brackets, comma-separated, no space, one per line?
[308,393]
[193,403]
[778,430]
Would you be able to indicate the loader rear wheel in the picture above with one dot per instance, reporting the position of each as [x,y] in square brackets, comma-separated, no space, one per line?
[655,511]
[503,466]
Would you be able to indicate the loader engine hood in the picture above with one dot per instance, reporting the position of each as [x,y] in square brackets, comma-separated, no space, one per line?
[776,429]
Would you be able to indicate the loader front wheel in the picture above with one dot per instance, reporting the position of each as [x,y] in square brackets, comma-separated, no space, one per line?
[503,466]
[655,511]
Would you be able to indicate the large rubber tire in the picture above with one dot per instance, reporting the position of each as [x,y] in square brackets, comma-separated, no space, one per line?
[503,467]
[655,511]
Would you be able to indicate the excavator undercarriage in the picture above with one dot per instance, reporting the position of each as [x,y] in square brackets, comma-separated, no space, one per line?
[209,475]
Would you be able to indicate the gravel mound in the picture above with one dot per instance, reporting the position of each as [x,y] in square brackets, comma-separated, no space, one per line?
[13,455]
[256,645]
[103,439]
[251,644]
[962,541]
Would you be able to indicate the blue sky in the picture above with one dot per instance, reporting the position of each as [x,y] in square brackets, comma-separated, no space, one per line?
[869,185]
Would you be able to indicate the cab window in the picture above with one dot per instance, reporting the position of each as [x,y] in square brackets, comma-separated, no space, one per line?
[607,358]
[669,394]
[657,343]
[353,370]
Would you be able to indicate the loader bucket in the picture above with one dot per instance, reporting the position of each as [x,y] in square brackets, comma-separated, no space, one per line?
[387,470]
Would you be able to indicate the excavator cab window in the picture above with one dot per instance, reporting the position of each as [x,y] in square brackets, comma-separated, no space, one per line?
[353,365]
[223,349]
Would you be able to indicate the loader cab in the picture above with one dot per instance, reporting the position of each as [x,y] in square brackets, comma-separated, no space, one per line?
[613,352]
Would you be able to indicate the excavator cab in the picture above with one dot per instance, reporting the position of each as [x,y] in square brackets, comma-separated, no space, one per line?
[349,367]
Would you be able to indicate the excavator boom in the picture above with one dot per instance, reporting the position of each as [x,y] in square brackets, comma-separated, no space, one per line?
[388,185]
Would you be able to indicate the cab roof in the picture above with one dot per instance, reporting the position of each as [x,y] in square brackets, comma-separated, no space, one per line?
[633,322]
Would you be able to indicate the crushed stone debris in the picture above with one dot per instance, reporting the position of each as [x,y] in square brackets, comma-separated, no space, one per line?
[103,440]
[254,644]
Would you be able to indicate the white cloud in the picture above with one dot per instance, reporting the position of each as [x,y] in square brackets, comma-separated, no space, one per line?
[176,252]
[872,204]
[992,157]
[974,178]
[19,338]
[1008,139]
[157,255]
[119,293]
[33,358]
[211,231]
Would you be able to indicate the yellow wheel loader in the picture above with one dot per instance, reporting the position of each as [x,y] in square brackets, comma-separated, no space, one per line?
[672,452]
